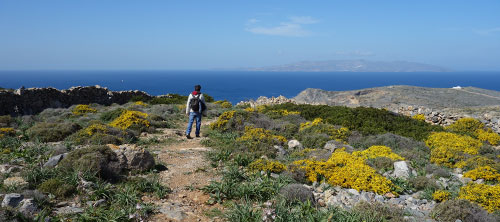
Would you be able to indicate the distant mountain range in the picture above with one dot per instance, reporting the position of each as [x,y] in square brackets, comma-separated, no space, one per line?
[351,66]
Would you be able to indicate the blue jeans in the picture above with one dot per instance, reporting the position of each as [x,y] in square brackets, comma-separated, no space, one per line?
[193,115]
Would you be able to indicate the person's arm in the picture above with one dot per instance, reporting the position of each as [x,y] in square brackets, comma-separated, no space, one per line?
[187,104]
[202,98]
[203,111]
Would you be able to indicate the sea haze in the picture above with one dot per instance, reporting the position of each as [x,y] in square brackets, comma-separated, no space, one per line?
[236,86]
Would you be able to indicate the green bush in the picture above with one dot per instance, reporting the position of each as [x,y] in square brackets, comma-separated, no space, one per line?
[51,132]
[244,212]
[460,209]
[149,185]
[423,183]
[111,115]
[297,192]
[157,121]
[169,99]
[236,185]
[57,187]
[139,98]
[99,134]
[381,164]
[366,120]
[379,212]
[100,160]
[313,140]
[414,151]
[5,121]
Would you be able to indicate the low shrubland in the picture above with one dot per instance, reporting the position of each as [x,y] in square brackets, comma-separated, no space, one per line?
[90,172]
[260,175]
[253,142]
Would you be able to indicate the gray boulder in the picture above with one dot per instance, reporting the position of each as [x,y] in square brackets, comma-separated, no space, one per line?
[28,208]
[53,161]
[12,200]
[332,145]
[401,170]
[294,144]
[135,158]
[280,151]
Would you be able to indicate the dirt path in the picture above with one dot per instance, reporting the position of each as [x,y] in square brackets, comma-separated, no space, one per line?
[188,170]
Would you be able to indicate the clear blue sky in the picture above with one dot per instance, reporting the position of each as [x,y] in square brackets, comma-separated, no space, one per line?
[123,34]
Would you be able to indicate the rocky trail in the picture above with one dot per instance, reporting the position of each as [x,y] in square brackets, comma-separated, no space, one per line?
[188,171]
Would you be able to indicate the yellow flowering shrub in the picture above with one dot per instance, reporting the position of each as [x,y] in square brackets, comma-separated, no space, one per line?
[450,149]
[317,126]
[250,109]
[226,105]
[310,124]
[301,153]
[7,132]
[129,118]
[284,112]
[441,195]
[181,107]
[345,170]
[140,103]
[221,122]
[466,126]
[377,151]
[478,161]
[488,136]
[486,196]
[266,165]
[420,117]
[485,172]
[94,128]
[260,135]
[80,110]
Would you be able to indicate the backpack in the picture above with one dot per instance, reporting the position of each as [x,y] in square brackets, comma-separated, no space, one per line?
[194,103]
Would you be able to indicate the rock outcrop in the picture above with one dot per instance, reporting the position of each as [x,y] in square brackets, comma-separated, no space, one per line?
[266,101]
[34,100]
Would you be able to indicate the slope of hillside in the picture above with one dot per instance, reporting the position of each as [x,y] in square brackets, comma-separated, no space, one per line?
[434,98]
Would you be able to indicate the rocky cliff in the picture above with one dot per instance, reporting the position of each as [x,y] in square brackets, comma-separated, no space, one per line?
[34,100]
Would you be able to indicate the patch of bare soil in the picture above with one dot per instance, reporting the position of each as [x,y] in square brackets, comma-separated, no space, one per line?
[188,170]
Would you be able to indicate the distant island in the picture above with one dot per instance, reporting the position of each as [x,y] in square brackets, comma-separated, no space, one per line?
[351,66]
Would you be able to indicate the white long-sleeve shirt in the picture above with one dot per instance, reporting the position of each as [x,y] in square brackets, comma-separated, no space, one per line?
[188,107]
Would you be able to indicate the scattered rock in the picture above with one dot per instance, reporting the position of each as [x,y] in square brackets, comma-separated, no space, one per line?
[389,195]
[294,145]
[15,182]
[12,200]
[281,151]
[173,212]
[28,208]
[6,168]
[401,170]
[69,210]
[353,192]
[135,158]
[96,203]
[53,161]
[332,145]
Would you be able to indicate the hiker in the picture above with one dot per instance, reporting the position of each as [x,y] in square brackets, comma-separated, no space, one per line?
[194,108]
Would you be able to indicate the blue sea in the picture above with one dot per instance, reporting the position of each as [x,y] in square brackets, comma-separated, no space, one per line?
[236,86]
